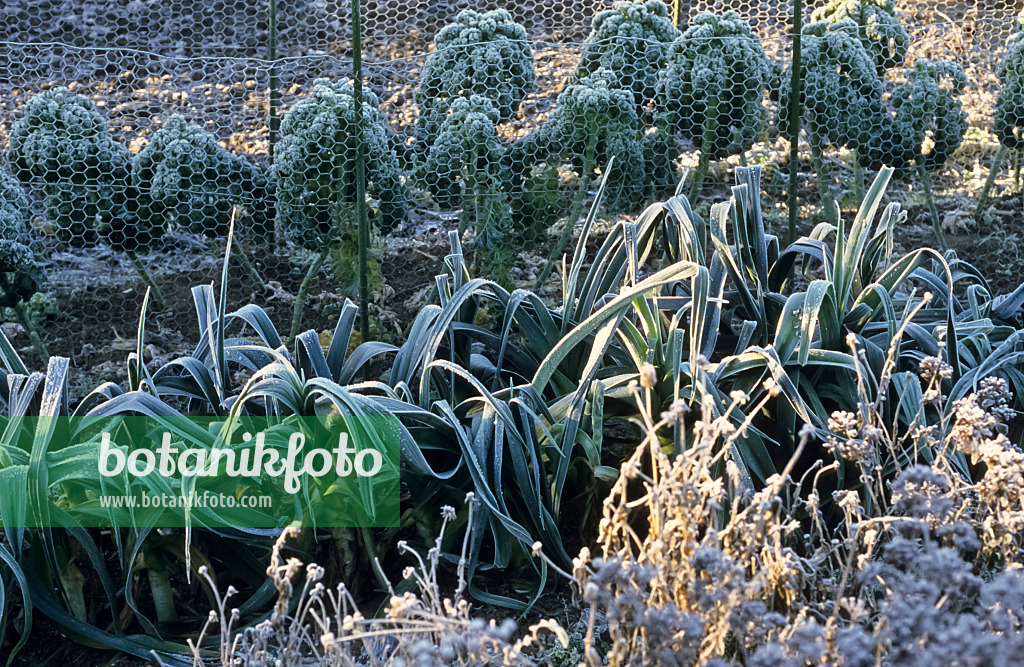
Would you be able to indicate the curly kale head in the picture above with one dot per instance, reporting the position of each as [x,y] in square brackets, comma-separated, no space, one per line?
[184,176]
[314,166]
[883,36]
[14,210]
[840,91]
[926,124]
[1009,120]
[595,117]
[62,141]
[632,41]
[718,60]
[484,54]
[21,273]
[466,151]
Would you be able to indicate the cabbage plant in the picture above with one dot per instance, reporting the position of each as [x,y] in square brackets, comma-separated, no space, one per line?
[183,176]
[925,125]
[877,26]
[314,173]
[21,278]
[14,210]
[712,90]
[632,41]
[62,143]
[1008,124]
[839,96]
[594,123]
[462,169]
[484,54]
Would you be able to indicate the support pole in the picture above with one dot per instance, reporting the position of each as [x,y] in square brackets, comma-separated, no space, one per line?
[794,121]
[273,120]
[364,223]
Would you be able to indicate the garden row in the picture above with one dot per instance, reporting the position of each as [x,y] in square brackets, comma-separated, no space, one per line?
[641,92]
[800,354]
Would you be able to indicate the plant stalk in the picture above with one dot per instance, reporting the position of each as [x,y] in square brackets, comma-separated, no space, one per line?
[30,329]
[926,180]
[858,178]
[574,213]
[273,120]
[361,214]
[794,122]
[300,298]
[710,132]
[828,202]
[248,267]
[997,163]
[140,268]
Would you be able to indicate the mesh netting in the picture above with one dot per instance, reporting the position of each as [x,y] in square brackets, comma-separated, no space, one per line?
[135,131]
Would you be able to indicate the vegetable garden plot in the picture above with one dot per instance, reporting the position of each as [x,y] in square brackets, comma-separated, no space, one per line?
[491,116]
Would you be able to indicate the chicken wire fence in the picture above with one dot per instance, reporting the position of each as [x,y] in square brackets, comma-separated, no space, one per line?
[135,131]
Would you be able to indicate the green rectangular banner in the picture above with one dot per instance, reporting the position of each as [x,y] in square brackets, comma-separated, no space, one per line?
[243,472]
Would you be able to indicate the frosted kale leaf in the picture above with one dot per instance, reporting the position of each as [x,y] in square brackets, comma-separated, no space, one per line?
[62,142]
[631,40]
[183,176]
[484,54]
[314,166]
[883,36]
[14,210]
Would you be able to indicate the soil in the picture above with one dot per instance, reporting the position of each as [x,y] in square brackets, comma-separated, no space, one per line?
[207,59]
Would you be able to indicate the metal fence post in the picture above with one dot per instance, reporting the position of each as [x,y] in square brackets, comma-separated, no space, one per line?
[273,121]
[794,122]
[364,223]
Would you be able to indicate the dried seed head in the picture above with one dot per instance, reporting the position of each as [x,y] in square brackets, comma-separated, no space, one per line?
[648,376]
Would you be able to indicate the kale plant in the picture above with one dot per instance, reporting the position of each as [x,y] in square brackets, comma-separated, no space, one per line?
[63,143]
[839,96]
[1009,120]
[184,177]
[1008,124]
[479,54]
[466,152]
[594,122]
[883,36]
[926,125]
[927,121]
[631,40]
[14,210]
[314,172]
[21,278]
[712,90]
[462,168]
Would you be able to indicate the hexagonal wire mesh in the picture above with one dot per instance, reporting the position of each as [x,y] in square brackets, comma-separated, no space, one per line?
[133,129]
